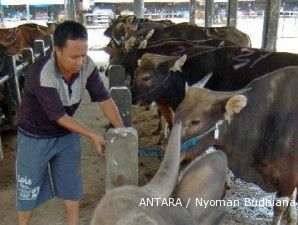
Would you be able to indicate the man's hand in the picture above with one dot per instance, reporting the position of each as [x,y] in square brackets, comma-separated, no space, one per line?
[99,143]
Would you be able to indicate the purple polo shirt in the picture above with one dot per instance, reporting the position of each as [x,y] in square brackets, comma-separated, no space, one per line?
[47,97]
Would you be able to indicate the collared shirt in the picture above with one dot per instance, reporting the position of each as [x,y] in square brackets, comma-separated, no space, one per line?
[47,96]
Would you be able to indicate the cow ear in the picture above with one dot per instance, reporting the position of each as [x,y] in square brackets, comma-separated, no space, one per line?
[143,45]
[204,178]
[234,105]
[139,62]
[107,50]
[129,43]
[178,64]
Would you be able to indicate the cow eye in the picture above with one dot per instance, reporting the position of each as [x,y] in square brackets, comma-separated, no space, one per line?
[146,78]
[195,122]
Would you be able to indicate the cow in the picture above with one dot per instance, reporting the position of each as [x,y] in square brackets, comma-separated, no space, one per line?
[259,132]
[232,67]
[11,35]
[188,31]
[205,178]
[124,26]
[29,35]
[45,30]
[129,61]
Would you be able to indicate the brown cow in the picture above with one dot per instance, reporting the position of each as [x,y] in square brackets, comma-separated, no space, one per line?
[12,36]
[29,35]
[259,133]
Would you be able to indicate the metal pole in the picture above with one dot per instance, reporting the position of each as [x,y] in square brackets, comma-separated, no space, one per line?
[138,8]
[192,12]
[232,13]
[208,13]
[270,24]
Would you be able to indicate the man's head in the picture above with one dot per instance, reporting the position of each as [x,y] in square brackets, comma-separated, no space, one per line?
[71,46]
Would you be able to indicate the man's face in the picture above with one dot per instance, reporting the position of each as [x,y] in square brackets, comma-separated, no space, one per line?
[72,56]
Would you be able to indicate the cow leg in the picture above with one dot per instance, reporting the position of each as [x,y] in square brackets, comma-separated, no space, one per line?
[168,114]
[278,210]
[159,128]
[292,212]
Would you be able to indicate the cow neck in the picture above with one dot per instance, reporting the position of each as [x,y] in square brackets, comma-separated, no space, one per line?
[195,140]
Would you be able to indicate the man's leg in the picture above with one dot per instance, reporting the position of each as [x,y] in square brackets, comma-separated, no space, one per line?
[72,212]
[32,178]
[24,217]
[65,168]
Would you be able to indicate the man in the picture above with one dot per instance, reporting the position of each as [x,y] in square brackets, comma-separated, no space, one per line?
[47,132]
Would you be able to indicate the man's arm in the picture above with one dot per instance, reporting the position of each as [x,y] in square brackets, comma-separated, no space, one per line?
[72,125]
[111,112]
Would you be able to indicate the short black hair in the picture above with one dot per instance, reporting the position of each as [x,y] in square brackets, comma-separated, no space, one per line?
[69,30]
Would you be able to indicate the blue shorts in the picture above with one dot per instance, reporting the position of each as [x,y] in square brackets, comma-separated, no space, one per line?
[46,168]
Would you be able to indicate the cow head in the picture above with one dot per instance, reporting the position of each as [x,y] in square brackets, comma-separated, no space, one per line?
[202,108]
[152,75]
[122,25]
[125,204]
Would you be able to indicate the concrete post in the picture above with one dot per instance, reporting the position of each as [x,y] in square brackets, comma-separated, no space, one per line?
[270,25]
[232,13]
[27,54]
[122,157]
[122,98]
[116,76]
[208,13]
[39,47]
[138,8]
[192,11]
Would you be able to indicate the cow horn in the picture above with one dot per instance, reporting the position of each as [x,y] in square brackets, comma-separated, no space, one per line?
[163,183]
[149,35]
[203,81]
[222,95]
[115,41]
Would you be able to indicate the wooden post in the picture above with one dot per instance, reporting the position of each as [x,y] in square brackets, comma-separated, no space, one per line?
[270,25]
[232,13]
[192,12]
[122,157]
[208,13]
[122,98]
